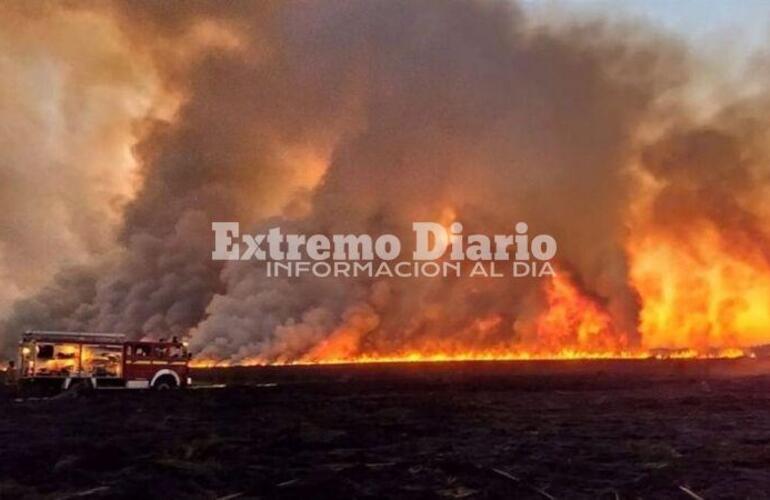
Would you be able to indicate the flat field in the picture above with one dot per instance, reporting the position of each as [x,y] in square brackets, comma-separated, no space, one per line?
[598,429]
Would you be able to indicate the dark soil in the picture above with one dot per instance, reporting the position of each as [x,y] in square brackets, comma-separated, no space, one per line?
[471,430]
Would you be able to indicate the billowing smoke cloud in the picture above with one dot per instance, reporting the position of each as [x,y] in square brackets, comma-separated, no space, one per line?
[474,115]
[354,117]
[69,95]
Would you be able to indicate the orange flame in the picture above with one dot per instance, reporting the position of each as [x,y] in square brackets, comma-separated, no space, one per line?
[573,319]
[698,299]
[699,295]
[572,326]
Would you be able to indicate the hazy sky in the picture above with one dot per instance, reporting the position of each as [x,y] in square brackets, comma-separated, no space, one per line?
[739,22]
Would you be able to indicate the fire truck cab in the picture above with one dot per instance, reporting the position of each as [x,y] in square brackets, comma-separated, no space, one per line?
[100,361]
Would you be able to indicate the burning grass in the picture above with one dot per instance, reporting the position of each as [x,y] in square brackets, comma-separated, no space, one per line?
[573,326]
[418,357]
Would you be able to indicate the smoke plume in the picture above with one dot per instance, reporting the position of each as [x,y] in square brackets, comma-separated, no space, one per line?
[361,117]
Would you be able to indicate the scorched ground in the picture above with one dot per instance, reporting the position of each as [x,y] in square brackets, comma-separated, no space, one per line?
[580,429]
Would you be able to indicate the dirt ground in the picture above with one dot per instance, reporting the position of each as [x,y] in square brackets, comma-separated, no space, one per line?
[467,430]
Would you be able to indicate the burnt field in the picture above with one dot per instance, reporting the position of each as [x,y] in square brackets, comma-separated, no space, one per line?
[602,429]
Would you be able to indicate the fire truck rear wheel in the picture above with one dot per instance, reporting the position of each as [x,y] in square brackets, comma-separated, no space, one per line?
[164,383]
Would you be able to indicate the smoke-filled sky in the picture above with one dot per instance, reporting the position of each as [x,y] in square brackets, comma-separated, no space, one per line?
[128,127]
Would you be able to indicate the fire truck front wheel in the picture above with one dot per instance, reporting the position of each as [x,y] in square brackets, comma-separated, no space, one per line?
[165,383]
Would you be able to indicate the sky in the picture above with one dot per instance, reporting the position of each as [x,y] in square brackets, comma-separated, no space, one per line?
[745,23]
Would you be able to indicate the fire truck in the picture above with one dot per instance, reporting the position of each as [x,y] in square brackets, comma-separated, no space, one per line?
[64,360]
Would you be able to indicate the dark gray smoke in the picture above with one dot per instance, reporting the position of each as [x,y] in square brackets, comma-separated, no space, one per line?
[353,117]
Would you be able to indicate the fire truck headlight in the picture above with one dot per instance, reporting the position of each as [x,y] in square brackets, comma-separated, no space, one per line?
[25,351]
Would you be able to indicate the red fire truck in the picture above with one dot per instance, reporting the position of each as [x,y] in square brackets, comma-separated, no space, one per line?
[64,360]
